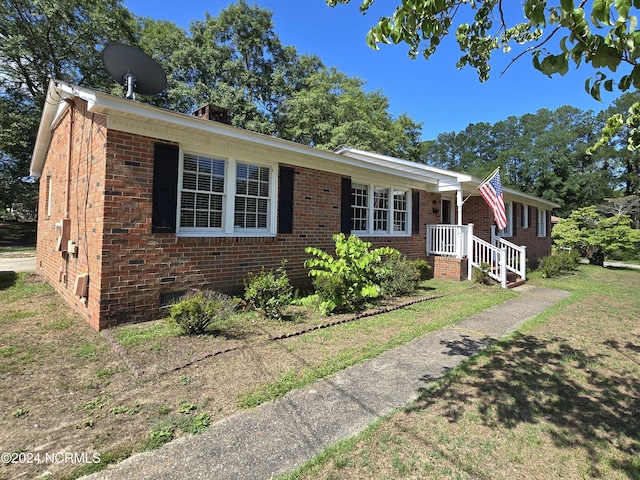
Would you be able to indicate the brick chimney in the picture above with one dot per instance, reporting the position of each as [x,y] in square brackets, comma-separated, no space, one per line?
[212,112]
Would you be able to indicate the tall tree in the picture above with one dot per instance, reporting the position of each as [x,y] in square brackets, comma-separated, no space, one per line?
[542,154]
[235,61]
[601,35]
[40,39]
[333,109]
[624,161]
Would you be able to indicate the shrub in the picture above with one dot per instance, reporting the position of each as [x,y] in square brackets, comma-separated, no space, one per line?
[198,310]
[269,292]
[401,276]
[555,265]
[348,280]
[424,268]
[481,274]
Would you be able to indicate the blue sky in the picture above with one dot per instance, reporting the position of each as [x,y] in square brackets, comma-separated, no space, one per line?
[432,91]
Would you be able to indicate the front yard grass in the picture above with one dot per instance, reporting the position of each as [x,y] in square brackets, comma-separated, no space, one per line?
[558,399]
[66,389]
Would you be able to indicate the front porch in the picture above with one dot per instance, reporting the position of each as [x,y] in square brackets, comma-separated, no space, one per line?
[454,250]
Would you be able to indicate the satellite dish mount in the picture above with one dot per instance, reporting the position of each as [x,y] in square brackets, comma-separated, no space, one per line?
[136,71]
[130,87]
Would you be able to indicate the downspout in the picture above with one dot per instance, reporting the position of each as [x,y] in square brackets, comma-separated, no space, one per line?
[67,187]
[65,233]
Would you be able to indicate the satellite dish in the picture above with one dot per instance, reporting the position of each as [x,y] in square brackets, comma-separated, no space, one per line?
[136,71]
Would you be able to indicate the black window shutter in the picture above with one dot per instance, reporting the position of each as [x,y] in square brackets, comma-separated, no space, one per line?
[345,206]
[514,220]
[285,200]
[165,188]
[415,212]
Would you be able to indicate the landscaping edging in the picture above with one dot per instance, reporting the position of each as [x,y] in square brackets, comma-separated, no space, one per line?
[139,372]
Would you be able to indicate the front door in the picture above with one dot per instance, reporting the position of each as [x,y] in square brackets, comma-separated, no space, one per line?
[446,212]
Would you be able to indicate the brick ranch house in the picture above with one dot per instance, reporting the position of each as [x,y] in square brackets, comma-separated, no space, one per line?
[138,204]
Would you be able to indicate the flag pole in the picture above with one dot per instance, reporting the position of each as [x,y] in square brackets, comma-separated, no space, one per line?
[482,183]
[490,176]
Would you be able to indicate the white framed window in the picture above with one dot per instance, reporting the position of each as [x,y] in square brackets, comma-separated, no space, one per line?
[379,210]
[542,223]
[225,197]
[252,197]
[400,211]
[508,230]
[359,207]
[524,215]
[202,195]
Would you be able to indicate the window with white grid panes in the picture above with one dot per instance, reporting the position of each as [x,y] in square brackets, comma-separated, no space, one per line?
[252,196]
[400,206]
[359,207]
[380,209]
[202,195]
[542,223]
[377,210]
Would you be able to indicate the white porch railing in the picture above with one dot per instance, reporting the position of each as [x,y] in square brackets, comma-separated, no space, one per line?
[459,241]
[448,240]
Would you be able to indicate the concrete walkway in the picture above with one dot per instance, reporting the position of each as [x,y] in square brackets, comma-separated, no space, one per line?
[279,436]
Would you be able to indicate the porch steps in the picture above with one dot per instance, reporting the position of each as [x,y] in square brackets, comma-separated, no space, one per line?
[514,280]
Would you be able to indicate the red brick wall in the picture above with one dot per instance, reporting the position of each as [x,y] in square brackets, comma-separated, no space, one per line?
[110,191]
[138,266]
[76,173]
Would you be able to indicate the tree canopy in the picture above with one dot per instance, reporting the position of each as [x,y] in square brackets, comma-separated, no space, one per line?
[234,60]
[596,236]
[541,153]
[601,35]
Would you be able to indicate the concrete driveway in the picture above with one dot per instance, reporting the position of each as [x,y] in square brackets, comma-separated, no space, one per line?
[20,264]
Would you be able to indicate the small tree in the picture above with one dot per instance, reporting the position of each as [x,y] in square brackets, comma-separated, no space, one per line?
[352,277]
[595,236]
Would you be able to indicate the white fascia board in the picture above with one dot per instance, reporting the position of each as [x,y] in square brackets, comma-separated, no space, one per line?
[54,107]
[104,103]
[511,194]
[449,180]
[442,176]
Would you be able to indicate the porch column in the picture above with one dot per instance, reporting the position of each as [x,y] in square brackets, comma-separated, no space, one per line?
[459,229]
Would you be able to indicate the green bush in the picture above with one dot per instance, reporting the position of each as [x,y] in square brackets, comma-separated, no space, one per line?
[269,292]
[198,310]
[481,274]
[401,276]
[350,279]
[558,264]
[424,268]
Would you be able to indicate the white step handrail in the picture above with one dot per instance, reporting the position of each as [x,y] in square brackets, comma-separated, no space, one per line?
[516,258]
[484,253]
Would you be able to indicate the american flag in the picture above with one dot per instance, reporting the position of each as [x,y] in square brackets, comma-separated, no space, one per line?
[491,191]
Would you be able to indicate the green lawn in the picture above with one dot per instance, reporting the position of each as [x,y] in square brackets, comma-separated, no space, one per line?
[558,399]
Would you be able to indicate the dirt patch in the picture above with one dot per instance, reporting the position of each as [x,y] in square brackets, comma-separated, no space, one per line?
[67,390]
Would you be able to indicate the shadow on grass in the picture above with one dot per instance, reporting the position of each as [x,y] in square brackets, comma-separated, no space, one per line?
[547,380]
[8,280]
[18,234]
